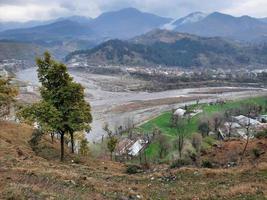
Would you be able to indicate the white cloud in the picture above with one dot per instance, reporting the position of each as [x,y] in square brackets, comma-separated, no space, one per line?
[22,10]
[256,8]
[28,12]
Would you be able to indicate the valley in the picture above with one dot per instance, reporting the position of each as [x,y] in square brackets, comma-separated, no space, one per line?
[118,107]
[133,100]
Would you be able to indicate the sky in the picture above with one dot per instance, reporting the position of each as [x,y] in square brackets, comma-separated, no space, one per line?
[25,10]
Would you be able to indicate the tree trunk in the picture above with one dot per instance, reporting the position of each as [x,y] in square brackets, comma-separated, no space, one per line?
[62,146]
[246,145]
[111,156]
[245,148]
[52,137]
[72,142]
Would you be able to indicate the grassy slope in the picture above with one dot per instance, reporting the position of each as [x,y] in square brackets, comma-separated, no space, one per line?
[163,121]
[25,175]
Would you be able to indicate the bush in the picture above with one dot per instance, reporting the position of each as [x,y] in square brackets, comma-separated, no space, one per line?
[77,160]
[35,139]
[204,128]
[179,163]
[262,134]
[209,140]
[133,169]
[197,141]
[256,152]
[206,164]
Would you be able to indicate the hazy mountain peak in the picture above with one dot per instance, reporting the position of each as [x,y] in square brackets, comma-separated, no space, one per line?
[191,18]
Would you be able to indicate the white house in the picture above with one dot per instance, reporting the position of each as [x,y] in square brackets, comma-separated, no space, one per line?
[136,147]
[179,112]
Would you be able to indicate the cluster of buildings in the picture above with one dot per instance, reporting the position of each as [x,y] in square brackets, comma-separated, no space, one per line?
[243,126]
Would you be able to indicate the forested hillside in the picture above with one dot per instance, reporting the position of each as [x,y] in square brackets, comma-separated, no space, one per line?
[174,49]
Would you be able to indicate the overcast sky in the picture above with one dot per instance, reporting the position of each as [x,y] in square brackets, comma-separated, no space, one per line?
[24,10]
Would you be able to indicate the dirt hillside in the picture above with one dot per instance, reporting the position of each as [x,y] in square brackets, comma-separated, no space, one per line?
[27,175]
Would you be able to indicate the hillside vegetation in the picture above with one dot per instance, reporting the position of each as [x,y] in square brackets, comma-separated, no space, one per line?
[19,50]
[173,49]
[26,174]
[162,122]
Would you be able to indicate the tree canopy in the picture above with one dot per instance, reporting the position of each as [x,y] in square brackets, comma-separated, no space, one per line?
[7,95]
[63,108]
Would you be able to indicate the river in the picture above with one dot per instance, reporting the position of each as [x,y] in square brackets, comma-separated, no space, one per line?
[118,108]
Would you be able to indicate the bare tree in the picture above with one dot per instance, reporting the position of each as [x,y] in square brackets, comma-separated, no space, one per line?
[197,142]
[230,120]
[181,132]
[174,119]
[251,110]
[217,120]
[248,125]
[163,145]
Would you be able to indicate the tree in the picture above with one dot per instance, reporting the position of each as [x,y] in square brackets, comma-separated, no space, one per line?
[7,96]
[249,110]
[197,142]
[204,128]
[63,108]
[217,121]
[111,140]
[84,148]
[181,131]
[163,145]
[112,143]
[230,120]
[174,119]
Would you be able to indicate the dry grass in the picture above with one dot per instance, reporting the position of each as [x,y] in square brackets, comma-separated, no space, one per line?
[29,176]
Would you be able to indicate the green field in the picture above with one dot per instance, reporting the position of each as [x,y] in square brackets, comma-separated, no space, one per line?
[162,122]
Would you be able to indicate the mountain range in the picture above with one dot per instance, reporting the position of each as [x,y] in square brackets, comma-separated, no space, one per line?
[172,49]
[65,35]
[243,28]
[130,22]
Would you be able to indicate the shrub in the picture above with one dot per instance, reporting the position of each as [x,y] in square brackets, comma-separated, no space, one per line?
[35,139]
[206,164]
[77,160]
[133,169]
[197,141]
[261,134]
[204,128]
[256,152]
[209,140]
[179,163]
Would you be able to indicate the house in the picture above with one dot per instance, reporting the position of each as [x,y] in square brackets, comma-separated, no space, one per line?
[232,125]
[123,146]
[245,121]
[137,147]
[179,112]
[130,147]
[262,118]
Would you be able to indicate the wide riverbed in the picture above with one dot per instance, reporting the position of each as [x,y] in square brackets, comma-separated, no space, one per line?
[118,108]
